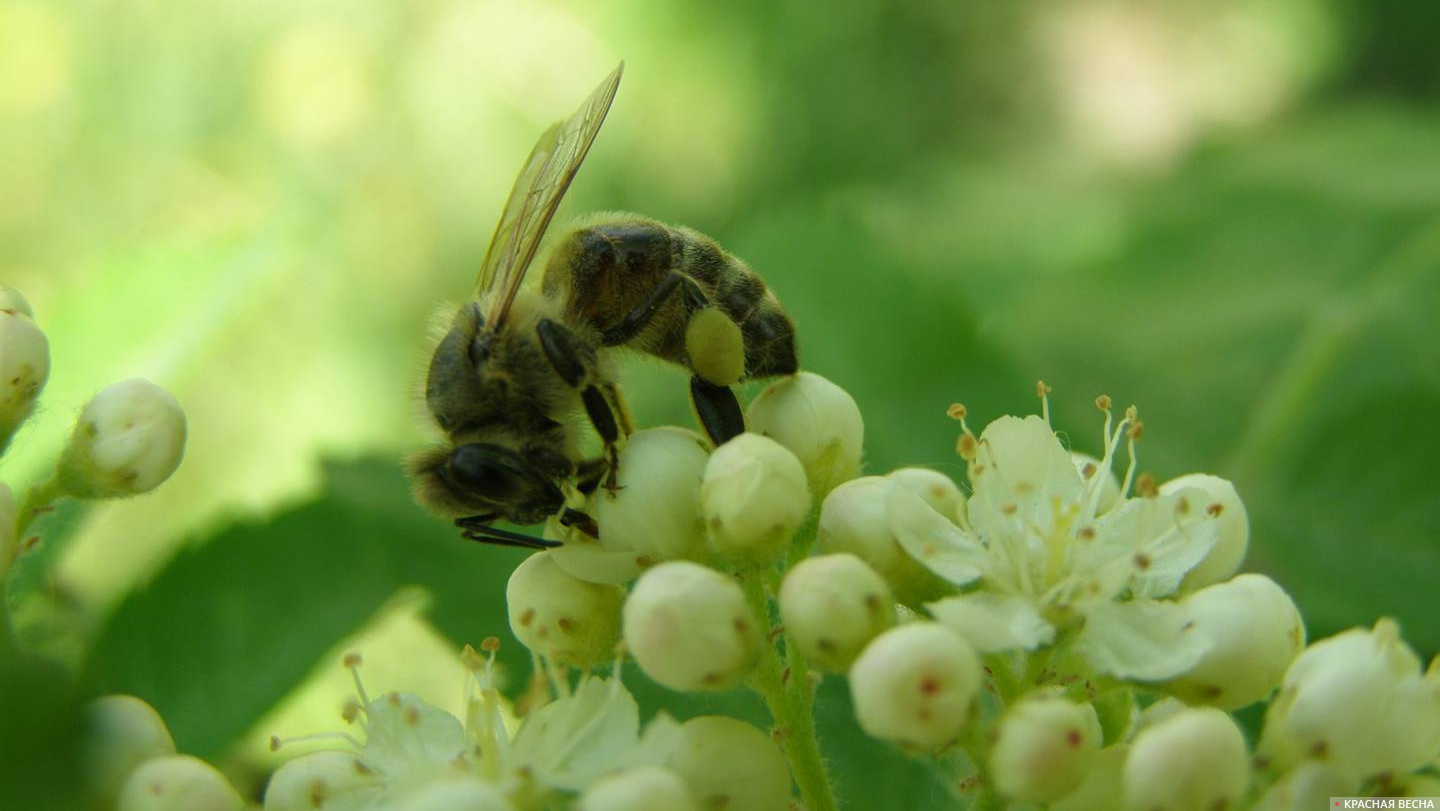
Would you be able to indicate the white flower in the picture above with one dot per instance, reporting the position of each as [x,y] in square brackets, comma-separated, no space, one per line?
[178,783]
[1194,760]
[129,438]
[324,781]
[1254,631]
[832,606]
[934,487]
[456,794]
[916,685]
[1049,558]
[818,421]
[863,517]
[1357,702]
[753,497]
[1305,788]
[121,733]
[729,764]
[690,628]
[571,621]
[1232,536]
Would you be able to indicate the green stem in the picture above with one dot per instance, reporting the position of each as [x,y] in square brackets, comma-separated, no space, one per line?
[37,500]
[787,695]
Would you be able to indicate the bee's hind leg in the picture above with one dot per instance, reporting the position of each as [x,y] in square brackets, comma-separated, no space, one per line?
[718,410]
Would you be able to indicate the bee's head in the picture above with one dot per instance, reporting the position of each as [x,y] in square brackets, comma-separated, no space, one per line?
[480,478]
[455,384]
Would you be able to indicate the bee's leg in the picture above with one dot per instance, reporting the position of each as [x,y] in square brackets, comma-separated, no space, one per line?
[575,362]
[589,473]
[622,409]
[475,530]
[581,521]
[718,410]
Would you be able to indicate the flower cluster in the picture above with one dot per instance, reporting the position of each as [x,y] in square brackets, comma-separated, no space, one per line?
[1061,632]
[128,439]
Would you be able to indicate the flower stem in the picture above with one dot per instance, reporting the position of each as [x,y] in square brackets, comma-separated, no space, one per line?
[786,691]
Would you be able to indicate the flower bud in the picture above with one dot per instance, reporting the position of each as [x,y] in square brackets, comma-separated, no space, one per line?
[1101,788]
[456,794]
[753,497]
[656,510]
[565,619]
[1045,748]
[818,421]
[178,783]
[690,628]
[1233,537]
[122,732]
[24,368]
[832,606]
[732,765]
[323,780]
[1358,702]
[937,489]
[856,518]
[12,301]
[1304,788]
[1254,630]
[129,438]
[915,685]
[645,788]
[1194,760]
[1089,467]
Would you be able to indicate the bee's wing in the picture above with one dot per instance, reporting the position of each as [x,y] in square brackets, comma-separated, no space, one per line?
[542,183]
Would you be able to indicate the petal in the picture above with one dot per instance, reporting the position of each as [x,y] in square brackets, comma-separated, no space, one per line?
[570,742]
[1158,539]
[994,622]
[1145,640]
[928,537]
[1021,474]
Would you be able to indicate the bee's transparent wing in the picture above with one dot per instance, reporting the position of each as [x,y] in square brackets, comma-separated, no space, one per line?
[538,190]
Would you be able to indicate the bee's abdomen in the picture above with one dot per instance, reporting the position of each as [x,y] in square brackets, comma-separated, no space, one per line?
[607,271]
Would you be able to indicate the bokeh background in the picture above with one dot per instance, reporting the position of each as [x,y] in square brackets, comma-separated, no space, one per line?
[1224,211]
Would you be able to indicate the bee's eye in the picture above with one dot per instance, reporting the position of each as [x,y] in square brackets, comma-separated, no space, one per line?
[484,470]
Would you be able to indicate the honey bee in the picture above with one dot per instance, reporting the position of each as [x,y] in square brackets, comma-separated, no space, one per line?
[517,366]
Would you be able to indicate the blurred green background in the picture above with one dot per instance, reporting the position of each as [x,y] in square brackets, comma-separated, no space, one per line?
[1226,212]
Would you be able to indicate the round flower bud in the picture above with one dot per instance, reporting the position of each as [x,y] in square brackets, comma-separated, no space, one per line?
[24,368]
[645,788]
[456,794]
[565,619]
[1044,749]
[1233,537]
[122,732]
[856,518]
[1089,467]
[818,421]
[832,606]
[715,347]
[915,685]
[1304,788]
[690,628]
[1358,702]
[12,301]
[753,497]
[937,489]
[1254,630]
[178,783]
[732,765]
[656,510]
[322,780]
[1194,760]
[1101,788]
[128,440]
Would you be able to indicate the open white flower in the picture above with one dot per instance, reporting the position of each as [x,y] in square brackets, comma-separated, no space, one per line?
[1050,556]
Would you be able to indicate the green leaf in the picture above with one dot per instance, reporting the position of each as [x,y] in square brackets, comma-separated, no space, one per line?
[237,621]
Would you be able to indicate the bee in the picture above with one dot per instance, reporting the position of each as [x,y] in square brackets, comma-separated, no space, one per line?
[517,366]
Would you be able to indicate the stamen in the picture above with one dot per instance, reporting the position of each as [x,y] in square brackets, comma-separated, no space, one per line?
[352,662]
[277,742]
[1043,392]
[1132,417]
